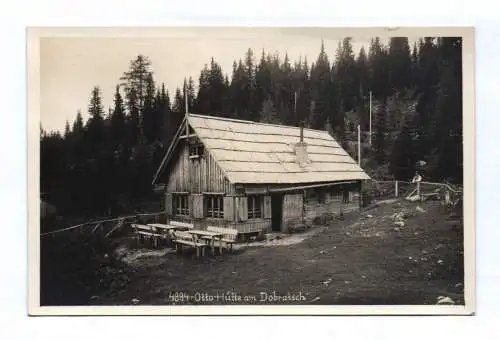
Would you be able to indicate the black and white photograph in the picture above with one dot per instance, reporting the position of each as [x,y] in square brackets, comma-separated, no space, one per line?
[220,170]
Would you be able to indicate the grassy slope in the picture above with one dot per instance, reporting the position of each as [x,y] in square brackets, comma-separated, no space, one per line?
[360,260]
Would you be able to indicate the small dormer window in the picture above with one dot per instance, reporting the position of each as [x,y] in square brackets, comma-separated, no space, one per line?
[195,151]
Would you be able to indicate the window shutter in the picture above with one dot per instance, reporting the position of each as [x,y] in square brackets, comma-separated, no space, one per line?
[243,208]
[267,207]
[190,199]
[197,205]
[168,204]
[229,208]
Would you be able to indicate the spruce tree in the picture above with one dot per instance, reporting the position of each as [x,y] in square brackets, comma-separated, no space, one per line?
[118,124]
[262,81]
[362,74]
[149,113]
[379,75]
[320,83]
[96,121]
[399,63]
[135,80]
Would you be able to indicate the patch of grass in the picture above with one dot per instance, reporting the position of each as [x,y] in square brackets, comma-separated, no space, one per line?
[358,260]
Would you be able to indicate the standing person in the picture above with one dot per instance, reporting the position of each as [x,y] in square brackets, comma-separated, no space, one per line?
[417,179]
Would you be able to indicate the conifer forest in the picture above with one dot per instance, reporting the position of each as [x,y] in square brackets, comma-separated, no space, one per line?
[105,165]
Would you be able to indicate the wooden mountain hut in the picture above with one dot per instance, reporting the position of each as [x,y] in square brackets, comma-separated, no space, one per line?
[255,177]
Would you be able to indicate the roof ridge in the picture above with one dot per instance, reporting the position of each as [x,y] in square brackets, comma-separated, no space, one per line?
[251,122]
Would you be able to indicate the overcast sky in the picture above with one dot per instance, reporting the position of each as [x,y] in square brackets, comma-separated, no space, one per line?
[71,66]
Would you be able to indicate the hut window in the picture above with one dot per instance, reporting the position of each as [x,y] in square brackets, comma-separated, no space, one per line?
[195,150]
[254,207]
[214,206]
[321,195]
[181,204]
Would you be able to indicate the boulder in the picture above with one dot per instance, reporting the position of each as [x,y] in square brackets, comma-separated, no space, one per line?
[414,198]
[445,300]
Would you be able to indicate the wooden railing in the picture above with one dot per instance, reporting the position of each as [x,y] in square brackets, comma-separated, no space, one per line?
[452,193]
[109,225]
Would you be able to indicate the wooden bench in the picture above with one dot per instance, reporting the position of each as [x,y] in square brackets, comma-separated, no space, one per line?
[181,225]
[182,238]
[229,235]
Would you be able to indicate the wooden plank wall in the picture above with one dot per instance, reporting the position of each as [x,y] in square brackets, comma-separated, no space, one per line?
[196,176]
[331,206]
[293,211]
[248,226]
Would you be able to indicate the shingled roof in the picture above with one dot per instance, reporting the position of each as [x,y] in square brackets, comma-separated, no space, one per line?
[250,152]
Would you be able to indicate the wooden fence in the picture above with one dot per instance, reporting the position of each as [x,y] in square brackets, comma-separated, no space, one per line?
[447,192]
[107,227]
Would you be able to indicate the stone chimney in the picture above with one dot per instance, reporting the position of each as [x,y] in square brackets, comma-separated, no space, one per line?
[301,149]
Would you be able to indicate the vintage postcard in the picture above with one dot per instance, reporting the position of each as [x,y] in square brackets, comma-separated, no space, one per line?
[251,171]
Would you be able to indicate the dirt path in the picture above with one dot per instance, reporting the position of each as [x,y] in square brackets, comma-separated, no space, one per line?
[364,259]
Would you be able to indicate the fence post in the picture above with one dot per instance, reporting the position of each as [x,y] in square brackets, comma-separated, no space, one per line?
[396,188]
[447,196]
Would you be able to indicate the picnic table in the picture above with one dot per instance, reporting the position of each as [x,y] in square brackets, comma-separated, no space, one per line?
[167,229]
[155,231]
[170,226]
[164,227]
[210,236]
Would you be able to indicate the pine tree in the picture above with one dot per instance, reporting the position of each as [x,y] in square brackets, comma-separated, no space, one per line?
[362,74]
[414,65]
[345,75]
[133,118]
[178,106]
[203,104]
[320,84]
[399,63]
[118,124]
[191,96]
[165,119]
[240,91]
[262,81]
[212,91]
[249,94]
[286,92]
[67,130]
[344,88]
[218,88]
[447,136]
[96,121]
[379,75]
[427,86]
[174,117]
[95,189]
[135,80]
[303,89]
[150,121]
[78,124]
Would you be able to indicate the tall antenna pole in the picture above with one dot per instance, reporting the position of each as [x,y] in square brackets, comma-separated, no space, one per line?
[295,103]
[186,113]
[370,140]
[359,144]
